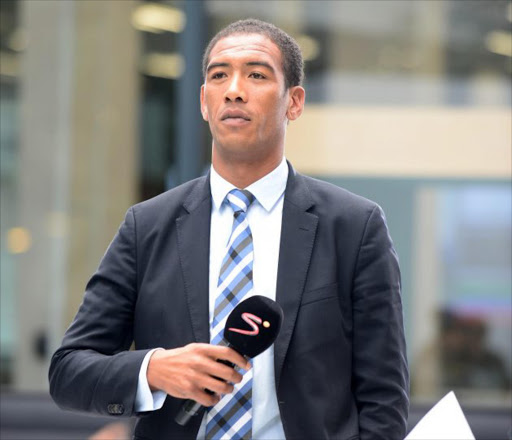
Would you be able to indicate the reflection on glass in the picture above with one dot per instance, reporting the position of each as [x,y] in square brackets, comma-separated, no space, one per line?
[471,351]
[468,359]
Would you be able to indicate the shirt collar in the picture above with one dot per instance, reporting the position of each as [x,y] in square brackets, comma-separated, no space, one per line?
[267,190]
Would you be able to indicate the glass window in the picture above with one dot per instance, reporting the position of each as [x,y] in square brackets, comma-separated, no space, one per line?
[471,309]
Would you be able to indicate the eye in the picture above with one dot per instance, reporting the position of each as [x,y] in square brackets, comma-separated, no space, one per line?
[257,75]
[218,75]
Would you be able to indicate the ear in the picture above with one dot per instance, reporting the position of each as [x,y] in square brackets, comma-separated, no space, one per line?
[204,110]
[297,97]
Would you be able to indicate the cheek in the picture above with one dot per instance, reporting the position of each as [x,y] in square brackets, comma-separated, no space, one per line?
[277,116]
[210,106]
[274,108]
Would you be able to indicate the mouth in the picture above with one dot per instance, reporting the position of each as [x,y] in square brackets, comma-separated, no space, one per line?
[235,121]
[235,116]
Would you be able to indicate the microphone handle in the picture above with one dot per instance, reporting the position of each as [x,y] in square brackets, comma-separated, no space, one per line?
[191,408]
[188,410]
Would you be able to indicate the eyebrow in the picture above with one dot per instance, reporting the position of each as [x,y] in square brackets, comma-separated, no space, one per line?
[214,65]
[249,63]
[260,63]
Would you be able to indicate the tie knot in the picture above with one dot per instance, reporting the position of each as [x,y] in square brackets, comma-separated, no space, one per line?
[240,199]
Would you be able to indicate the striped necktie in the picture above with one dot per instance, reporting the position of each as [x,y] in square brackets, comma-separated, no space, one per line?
[231,417]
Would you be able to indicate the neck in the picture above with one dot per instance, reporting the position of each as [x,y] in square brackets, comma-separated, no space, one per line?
[243,173]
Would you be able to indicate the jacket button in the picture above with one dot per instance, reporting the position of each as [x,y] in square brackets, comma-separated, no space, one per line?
[115,408]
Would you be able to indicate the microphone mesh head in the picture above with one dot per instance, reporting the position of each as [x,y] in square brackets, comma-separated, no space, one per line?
[253,325]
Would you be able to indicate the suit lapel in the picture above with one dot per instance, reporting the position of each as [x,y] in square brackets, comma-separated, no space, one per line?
[297,238]
[194,250]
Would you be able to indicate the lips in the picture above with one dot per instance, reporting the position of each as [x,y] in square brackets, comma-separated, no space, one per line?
[235,114]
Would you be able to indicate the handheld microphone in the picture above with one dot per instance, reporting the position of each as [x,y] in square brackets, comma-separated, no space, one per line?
[251,328]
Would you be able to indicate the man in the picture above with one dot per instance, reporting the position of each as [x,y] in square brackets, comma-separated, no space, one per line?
[338,367]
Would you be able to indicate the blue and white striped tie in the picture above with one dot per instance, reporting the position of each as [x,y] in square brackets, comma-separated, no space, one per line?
[231,417]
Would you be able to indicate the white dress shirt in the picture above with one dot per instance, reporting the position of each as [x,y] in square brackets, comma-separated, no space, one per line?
[264,217]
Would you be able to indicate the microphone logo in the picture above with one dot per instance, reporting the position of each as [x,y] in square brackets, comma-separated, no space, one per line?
[250,319]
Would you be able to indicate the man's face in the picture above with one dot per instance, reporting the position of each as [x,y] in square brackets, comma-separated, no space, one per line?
[244,98]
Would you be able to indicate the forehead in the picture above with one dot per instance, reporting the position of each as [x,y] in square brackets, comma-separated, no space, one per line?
[237,46]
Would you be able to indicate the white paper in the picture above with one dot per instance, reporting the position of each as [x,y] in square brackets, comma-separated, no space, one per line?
[445,421]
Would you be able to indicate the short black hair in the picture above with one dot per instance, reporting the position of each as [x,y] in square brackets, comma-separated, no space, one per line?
[293,64]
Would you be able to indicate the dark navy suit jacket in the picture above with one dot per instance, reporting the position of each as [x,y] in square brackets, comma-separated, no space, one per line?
[340,363]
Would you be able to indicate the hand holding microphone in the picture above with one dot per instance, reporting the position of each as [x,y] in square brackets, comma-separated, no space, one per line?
[186,372]
[251,328]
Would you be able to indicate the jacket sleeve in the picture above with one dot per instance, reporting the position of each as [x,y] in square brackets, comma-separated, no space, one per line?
[93,370]
[380,371]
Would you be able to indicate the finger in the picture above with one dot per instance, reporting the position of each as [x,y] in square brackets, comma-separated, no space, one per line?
[228,354]
[206,399]
[223,372]
[217,386]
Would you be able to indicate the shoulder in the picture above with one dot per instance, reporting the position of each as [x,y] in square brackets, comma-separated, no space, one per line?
[175,201]
[335,198]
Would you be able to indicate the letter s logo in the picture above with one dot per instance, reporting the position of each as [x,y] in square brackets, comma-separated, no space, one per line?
[250,319]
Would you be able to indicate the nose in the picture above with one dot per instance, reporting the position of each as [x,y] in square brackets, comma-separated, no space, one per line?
[235,91]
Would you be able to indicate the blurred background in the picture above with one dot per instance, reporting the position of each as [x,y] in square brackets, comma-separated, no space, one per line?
[408,104]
